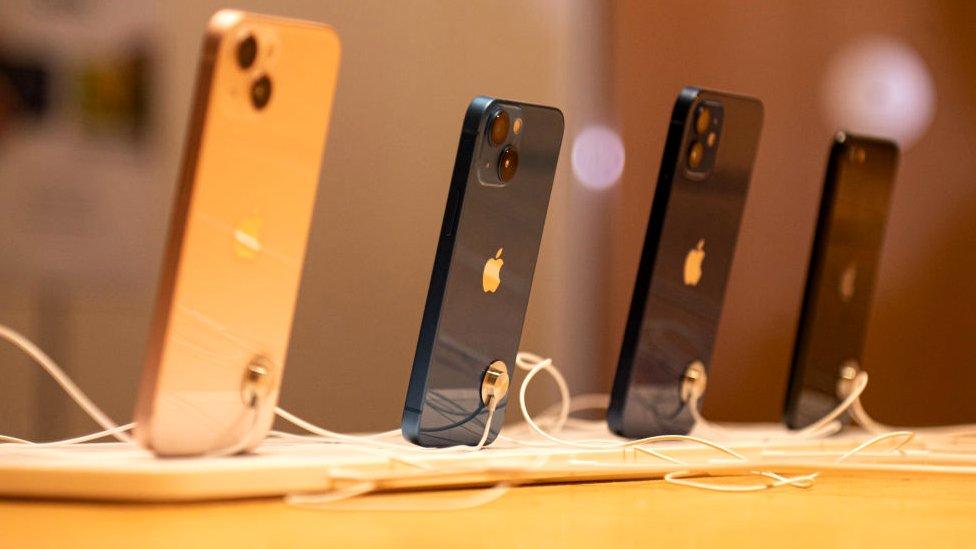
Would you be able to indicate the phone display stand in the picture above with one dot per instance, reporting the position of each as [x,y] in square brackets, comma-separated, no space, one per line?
[332,465]
[280,466]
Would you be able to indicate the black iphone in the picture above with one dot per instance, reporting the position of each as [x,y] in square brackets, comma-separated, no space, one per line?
[483,269]
[684,267]
[842,270]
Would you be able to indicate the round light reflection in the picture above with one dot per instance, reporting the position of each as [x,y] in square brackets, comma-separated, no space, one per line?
[598,157]
[882,87]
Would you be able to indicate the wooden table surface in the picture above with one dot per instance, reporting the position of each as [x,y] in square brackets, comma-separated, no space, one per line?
[872,509]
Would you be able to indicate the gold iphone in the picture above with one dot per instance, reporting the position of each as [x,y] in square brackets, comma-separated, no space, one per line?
[237,236]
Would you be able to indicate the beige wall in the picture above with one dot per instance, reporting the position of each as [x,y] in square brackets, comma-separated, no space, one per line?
[408,71]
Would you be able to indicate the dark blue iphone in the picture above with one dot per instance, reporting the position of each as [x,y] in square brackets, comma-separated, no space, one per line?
[486,255]
[686,259]
[840,279]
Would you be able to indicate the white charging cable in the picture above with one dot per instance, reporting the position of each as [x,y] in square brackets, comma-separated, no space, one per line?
[925,434]
[804,481]
[825,426]
[71,441]
[860,383]
[326,435]
[110,428]
[536,364]
[559,417]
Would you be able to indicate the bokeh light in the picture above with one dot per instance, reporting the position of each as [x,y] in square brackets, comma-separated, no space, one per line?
[598,157]
[880,86]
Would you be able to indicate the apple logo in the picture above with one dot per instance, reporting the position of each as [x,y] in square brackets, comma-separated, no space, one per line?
[848,282]
[247,237]
[693,264]
[492,276]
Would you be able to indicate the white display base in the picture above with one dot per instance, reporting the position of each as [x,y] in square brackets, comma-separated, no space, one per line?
[123,472]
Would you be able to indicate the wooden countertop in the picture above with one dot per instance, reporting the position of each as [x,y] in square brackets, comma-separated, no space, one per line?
[862,509]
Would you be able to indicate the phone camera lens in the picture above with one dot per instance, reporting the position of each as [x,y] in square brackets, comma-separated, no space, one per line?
[498,131]
[247,51]
[696,153]
[261,92]
[508,164]
[703,120]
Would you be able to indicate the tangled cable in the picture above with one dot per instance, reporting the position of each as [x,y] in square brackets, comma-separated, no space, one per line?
[547,426]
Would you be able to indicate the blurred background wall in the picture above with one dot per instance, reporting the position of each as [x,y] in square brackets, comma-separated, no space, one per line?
[84,291]
[901,69]
[87,174]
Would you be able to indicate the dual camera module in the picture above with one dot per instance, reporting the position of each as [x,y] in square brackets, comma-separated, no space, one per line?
[703,146]
[504,130]
[247,54]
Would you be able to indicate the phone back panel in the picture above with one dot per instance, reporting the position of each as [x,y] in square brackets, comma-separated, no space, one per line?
[843,268]
[684,266]
[465,328]
[238,233]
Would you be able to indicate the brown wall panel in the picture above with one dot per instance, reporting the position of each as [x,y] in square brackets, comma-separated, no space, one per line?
[920,350]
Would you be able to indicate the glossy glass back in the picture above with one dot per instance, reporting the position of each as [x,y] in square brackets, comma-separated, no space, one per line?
[843,268]
[685,262]
[483,270]
[237,238]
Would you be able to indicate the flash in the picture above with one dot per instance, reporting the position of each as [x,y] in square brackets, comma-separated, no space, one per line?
[711,139]
[517,126]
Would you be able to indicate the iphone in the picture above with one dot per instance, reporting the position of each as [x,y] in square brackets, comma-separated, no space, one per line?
[237,237]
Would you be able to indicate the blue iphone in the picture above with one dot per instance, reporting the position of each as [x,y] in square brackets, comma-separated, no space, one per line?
[843,267]
[685,263]
[483,268]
